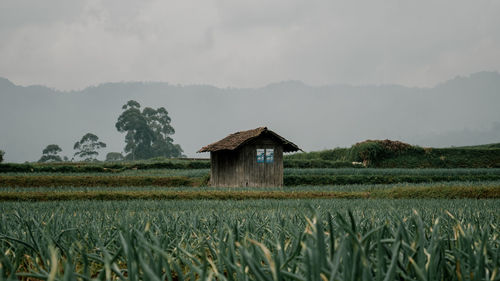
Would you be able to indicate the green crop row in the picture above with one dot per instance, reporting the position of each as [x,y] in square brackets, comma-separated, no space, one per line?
[55,181]
[392,171]
[193,173]
[270,240]
[289,179]
[288,189]
[117,167]
[431,192]
[292,180]
[190,173]
[101,167]
[318,163]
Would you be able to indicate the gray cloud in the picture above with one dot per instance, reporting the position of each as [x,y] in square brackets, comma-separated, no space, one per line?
[72,44]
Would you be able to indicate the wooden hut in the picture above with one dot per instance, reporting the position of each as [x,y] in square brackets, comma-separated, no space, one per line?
[249,158]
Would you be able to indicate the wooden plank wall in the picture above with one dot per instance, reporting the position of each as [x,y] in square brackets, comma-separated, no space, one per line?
[240,167]
[223,171]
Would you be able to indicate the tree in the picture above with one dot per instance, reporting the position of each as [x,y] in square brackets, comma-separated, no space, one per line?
[114,156]
[87,147]
[50,154]
[2,153]
[159,121]
[147,132]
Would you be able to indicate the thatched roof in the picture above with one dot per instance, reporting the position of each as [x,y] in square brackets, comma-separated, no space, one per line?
[233,141]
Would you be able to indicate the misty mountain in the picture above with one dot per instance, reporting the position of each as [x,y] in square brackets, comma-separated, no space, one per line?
[461,111]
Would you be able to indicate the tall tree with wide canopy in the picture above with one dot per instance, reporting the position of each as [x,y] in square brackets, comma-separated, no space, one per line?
[87,147]
[51,153]
[147,132]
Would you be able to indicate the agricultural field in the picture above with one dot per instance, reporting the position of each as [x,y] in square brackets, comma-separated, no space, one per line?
[292,177]
[156,221]
[314,239]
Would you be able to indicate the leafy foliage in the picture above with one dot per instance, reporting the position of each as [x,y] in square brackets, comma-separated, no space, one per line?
[51,154]
[87,147]
[191,193]
[114,157]
[395,154]
[96,167]
[2,153]
[147,132]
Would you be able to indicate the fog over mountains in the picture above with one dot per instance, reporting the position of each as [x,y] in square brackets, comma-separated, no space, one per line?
[461,111]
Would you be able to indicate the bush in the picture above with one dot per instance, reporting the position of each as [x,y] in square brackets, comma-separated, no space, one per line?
[376,150]
[2,153]
[114,156]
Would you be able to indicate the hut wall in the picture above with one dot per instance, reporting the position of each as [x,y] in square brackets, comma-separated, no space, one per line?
[223,171]
[262,174]
[240,167]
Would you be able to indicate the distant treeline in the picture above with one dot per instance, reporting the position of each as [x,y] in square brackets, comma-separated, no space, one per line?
[370,153]
[395,154]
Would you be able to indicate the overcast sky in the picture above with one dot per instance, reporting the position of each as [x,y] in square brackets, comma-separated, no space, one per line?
[73,44]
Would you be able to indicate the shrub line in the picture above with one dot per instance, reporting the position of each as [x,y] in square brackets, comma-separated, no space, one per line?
[174,181]
[450,192]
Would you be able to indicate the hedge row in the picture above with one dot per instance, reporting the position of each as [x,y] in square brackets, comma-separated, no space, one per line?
[318,163]
[393,193]
[292,180]
[119,167]
[90,181]
[289,180]
[101,168]
[174,195]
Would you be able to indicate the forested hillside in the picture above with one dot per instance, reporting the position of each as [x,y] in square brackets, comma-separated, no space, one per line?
[462,111]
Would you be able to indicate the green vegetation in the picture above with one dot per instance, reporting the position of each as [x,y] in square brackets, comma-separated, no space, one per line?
[251,240]
[408,192]
[147,132]
[290,180]
[299,188]
[109,181]
[317,163]
[143,175]
[2,153]
[114,157]
[87,147]
[102,167]
[395,154]
[51,154]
